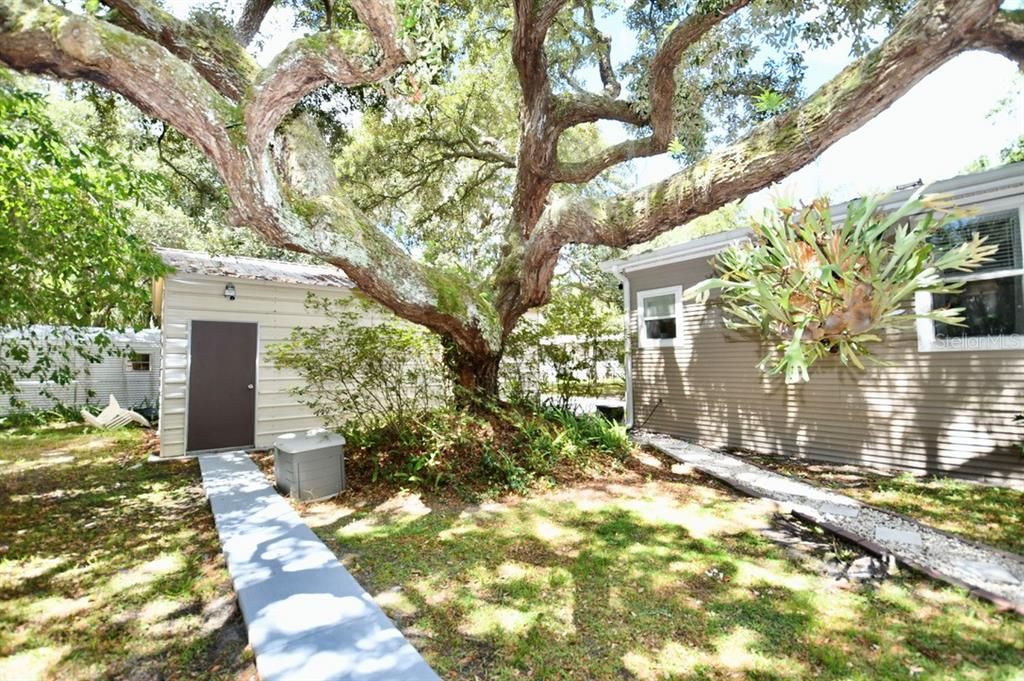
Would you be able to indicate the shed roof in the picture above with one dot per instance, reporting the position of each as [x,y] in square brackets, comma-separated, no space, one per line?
[256,269]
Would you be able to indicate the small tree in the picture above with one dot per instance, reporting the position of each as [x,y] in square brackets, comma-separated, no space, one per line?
[812,287]
[372,375]
[577,334]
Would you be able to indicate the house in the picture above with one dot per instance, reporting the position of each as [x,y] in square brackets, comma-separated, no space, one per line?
[945,404]
[218,315]
[132,374]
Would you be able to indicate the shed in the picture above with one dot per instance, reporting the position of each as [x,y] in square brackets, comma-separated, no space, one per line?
[132,376]
[219,314]
[945,404]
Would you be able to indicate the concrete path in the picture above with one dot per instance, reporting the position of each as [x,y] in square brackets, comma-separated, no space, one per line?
[986,571]
[307,617]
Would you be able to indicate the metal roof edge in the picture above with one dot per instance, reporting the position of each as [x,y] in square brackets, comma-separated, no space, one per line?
[687,250]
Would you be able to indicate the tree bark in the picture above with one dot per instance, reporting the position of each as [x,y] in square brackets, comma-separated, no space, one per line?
[475,376]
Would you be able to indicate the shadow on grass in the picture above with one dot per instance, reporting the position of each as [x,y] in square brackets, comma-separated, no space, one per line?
[110,565]
[608,584]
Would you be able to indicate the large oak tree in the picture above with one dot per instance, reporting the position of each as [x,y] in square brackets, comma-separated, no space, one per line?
[688,88]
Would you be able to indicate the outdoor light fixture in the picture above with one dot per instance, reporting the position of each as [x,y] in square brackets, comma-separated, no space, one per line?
[229,291]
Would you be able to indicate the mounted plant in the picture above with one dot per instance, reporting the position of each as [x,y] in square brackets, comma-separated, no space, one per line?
[812,287]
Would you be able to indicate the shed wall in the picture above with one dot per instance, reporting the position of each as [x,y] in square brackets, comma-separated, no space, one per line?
[938,412]
[276,307]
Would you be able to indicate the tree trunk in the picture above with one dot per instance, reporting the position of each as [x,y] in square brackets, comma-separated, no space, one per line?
[475,376]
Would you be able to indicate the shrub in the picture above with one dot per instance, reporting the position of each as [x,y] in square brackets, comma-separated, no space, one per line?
[501,449]
[355,374]
[813,287]
[23,418]
[385,387]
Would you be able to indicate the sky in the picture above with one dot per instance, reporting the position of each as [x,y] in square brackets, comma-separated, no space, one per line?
[935,131]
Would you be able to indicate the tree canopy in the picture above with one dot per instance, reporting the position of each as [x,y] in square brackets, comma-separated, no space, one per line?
[68,258]
[474,159]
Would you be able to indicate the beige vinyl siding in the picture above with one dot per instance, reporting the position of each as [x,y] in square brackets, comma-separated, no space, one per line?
[941,412]
[276,307]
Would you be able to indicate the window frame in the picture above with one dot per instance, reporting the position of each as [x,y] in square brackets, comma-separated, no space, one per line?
[130,361]
[641,297]
[923,300]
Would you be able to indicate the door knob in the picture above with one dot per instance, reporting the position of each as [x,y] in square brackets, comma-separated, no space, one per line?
[249,386]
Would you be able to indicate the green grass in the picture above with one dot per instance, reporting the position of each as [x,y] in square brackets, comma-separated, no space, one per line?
[109,565]
[992,515]
[647,577]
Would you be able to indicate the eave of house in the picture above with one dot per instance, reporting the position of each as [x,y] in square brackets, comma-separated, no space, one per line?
[965,190]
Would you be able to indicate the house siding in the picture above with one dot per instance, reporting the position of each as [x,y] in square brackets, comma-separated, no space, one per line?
[937,412]
[95,382]
[277,308]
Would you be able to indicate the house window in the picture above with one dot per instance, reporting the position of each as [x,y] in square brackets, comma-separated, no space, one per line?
[660,315]
[138,361]
[992,296]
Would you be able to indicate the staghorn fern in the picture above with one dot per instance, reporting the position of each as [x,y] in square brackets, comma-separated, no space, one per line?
[814,288]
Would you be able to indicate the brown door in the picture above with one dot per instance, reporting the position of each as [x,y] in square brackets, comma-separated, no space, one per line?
[221,385]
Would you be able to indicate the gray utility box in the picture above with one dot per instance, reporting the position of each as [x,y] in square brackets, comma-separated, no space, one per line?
[310,466]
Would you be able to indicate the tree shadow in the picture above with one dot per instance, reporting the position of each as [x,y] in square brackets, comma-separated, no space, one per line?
[601,587]
[111,565]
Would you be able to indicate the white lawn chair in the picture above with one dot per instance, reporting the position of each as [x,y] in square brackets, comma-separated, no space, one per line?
[113,416]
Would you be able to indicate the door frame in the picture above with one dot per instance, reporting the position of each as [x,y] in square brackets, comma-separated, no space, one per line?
[188,389]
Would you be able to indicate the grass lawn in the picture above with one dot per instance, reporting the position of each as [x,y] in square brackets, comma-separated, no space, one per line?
[993,515]
[109,566]
[646,575]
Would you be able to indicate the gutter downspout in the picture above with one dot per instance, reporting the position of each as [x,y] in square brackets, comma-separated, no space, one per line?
[627,326]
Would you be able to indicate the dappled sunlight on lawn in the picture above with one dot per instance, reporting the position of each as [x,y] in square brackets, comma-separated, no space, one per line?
[397,511]
[109,563]
[650,576]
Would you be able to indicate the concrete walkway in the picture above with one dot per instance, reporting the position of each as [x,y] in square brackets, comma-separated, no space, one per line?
[307,617]
[986,571]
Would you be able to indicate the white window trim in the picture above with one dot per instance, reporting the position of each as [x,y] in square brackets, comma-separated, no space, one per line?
[129,364]
[926,340]
[641,296]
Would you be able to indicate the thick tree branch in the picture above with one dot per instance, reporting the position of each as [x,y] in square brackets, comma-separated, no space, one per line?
[662,91]
[249,23]
[584,171]
[220,60]
[603,47]
[309,212]
[537,138]
[666,60]
[339,56]
[1006,36]
[930,34]
[37,37]
[586,107]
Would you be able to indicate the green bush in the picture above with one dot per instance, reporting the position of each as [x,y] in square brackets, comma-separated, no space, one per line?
[358,375]
[499,449]
[23,418]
